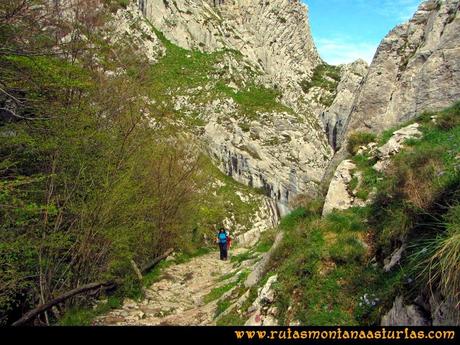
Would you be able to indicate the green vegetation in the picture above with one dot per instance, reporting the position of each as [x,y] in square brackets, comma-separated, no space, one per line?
[85,316]
[437,260]
[369,176]
[115,5]
[326,77]
[266,241]
[231,319]
[217,292]
[318,261]
[222,306]
[247,255]
[327,269]
[223,200]
[358,139]
[184,70]
[86,183]
[258,99]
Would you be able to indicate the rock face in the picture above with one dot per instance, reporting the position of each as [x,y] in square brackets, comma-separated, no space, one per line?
[130,24]
[262,314]
[276,155]
[395,144]
[339,196]
[336,116]
[267,217]
[283,151]
[273,35]
[261,267]
[286,152]
[428,309]
[404,315]
[416,68]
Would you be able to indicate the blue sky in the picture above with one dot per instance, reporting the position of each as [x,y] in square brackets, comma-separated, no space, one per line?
[345,30]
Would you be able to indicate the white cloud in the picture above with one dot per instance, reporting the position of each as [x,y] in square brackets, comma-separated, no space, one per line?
[343,48]
[402,10]
[339,50]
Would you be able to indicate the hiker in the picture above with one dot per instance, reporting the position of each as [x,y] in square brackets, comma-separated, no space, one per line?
[229,240]
[222,241]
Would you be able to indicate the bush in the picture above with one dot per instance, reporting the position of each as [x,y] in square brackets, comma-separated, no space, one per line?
[358,139]
[449,118]
[324,76]
[313,205]
[438,260]
[413,169]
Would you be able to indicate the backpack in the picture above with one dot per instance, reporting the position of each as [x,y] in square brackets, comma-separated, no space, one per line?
[222,237]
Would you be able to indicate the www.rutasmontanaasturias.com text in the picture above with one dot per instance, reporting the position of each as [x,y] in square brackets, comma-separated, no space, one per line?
[339,334]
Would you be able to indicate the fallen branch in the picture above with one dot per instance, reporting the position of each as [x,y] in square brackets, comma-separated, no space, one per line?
[44,307]
[152,264]
[12,113]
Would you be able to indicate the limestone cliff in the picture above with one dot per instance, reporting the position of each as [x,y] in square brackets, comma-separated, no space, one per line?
[416,68]
[273,35]
[336,116]
[265,48]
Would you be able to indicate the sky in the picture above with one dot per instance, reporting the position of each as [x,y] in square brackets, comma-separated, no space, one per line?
[346,30]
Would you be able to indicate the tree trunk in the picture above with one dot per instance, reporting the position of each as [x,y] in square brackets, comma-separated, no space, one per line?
[152,264]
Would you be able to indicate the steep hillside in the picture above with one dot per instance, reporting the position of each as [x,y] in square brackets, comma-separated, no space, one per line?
[132,129]
[392,258]
[253,93]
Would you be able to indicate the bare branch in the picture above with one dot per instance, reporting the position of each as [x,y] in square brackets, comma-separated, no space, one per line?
[12,113]
[10,95]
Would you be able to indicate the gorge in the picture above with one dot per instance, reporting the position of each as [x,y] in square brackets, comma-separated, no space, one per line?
[173,116]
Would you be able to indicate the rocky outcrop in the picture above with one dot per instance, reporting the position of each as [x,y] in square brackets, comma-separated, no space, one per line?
[276,155]
[394,145]
[428,309]
[338,196]
[444,311]
[336,116]
[131,26]
[404,315]
[266,218]
[341,195]
[273,35]
[416,68]
[282,152]
[262,313]
[261,267]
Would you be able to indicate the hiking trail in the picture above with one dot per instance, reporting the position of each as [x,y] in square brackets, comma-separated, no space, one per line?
[178,297]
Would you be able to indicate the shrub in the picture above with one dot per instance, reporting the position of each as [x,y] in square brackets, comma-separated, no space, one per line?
[358,139]
[449,118]
[313,205]
[440,263]
[324,76]
[413,169]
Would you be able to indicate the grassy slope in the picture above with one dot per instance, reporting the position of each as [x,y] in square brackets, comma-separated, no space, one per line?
[330,269]
[197,74]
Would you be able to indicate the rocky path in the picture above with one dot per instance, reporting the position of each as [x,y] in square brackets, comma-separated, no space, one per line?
[178,297]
